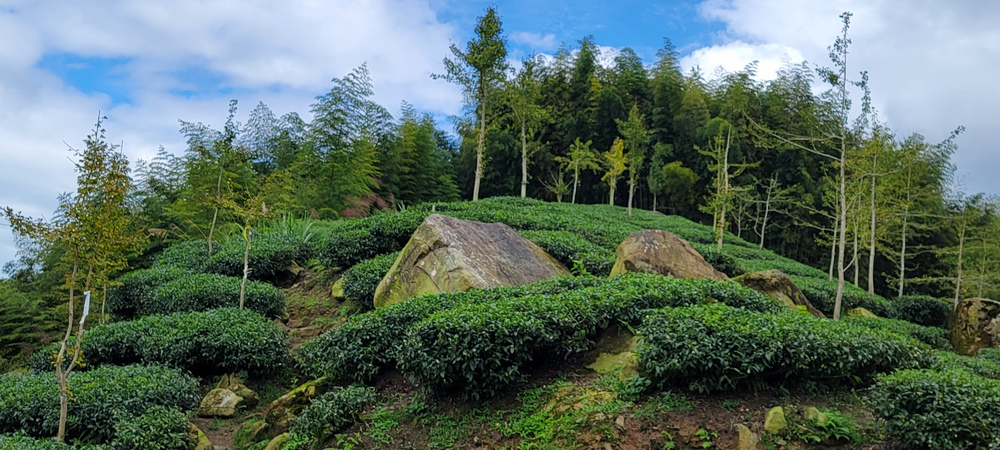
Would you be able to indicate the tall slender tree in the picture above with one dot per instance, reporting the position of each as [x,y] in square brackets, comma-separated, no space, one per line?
[636,138]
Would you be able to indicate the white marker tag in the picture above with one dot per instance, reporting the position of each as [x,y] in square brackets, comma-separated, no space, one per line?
[86,306]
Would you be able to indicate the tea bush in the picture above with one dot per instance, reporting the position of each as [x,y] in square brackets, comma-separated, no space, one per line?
[921,310]
[357,350]
[716,347]
[952,409]
[201,292]
[270,254]
[822,294]
[479,348]
[203,342]
[190,255]
[354,241]
[30,402]
[980,366]
[724,263]
[136,289]
[571,249]
[158,428]
[332,412]
[361,280]
[24,442]
[935,337]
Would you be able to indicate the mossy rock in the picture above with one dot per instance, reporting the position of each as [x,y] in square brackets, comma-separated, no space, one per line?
[861,312]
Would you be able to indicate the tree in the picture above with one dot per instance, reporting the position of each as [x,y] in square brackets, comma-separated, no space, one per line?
[723,197]
[774,197]
[580,157]
[522,96]
[99,233]
[656,179]
[479,69]
[616,164]
[636,137]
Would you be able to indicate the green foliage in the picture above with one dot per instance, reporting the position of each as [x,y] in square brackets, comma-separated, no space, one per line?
[215,341]
[202,292]
[724,263]
[921,310]
[270,254]
[983,367]
[24,442]
[19,317]
[822,294]
[480,348]
[360,348]
[332,412]
[953,409]
[716,347]
[357,240]
[571,250]
[937,338]
[361,280]
[189,255]
[29,402]
[136,289]
[158,428]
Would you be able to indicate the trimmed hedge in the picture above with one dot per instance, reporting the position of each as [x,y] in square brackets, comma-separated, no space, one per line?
[158,428]
[570,249]
[823,294]
[952,409]
[980,366]
[30,402]
[270,254]
[136,290]
[724,263]
[357,240]
[480,348]
[361,280]
[360,348]
[216,341]
[190,255]
[921,310]
[201,292]
[24,442]
[935,337]
[716,347]
[332,412]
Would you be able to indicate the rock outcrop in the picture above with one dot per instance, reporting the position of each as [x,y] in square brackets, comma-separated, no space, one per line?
[778,286]
[446,254]
[975,325]
[663,253]
[220,402]
[860,312]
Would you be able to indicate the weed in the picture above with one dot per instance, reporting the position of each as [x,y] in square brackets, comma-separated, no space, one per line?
[731,404]
[706,437]
[383,420]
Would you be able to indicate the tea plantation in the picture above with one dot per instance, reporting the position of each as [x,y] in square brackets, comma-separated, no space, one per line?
[585,361]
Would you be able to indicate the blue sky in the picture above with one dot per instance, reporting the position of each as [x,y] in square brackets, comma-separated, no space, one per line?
[147,64]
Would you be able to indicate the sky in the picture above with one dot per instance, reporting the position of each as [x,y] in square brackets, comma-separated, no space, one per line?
[145,65]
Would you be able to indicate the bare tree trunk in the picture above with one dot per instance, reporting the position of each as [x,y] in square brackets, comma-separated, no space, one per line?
[767,209]
[62,376]
[871,244]
[631,192]
[654,201]
[479,144]
[246,265]
[611,198]
[576,180]
[854,259]
[725,190]
[218,197]
[842,244]
[902,250]
[958,275]
[524,162]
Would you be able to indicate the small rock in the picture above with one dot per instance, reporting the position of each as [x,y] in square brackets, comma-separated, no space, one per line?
[861,312]
[774,421]
[814,415]
[277,442]
[220,403]
[337,291]
[200,439]
[748,439]
[620,422]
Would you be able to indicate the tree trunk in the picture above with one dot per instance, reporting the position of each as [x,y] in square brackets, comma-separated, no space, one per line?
[854,259]
[576,180]
[767,209]
[218,197]
[654,201]
[480,140]
[524,163]
[958,275]
[631,193]
[725,190]
[842,245]
[246,266]
[611,198]
[902,250]
[871,244]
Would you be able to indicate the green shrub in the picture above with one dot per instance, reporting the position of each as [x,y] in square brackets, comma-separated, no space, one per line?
[204,342]
[361,280]
[822,294]
[992,354]
[158,428]
[136,289]
[202,292]
[332,412]
[479,348]
[980,366]
[716,347]
[935,337]
[270,254]
[360,348]
[190,255]
[952,409]
[30,402]
[921,310]
[354,241]
[724,263]
[573,251]
[24,442]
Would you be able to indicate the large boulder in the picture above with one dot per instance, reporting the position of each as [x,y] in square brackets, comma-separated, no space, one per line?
[446,254]
[663,253]
[778,286]
[975,325]
[220,402]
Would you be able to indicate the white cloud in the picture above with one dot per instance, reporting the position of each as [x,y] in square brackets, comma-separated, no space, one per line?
[734,56]
[929,62]
[536,41]
[283,53]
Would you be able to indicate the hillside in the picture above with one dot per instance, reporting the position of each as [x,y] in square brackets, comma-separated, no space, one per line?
[508,367]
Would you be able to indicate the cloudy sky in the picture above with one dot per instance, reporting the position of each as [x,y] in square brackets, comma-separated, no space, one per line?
[146,64]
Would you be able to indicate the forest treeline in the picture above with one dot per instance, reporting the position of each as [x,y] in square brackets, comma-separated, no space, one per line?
[771,161]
